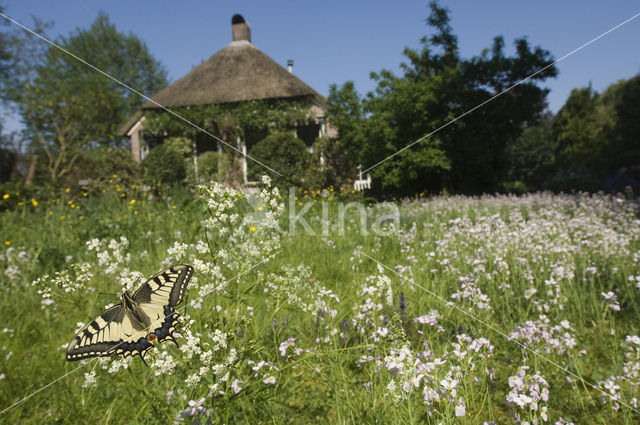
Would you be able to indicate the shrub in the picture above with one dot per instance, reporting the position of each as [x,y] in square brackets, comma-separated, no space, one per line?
[165,165]
[100,165]
[207,168]
[284,153]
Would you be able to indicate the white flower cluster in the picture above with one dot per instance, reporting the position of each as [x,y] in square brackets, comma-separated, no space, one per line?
[177,251]
[264,371]
[377,296]
[13,260]
[77,277]
[612,387]
[195,409]
[540,335]
[111,258]
[471,294]
[298,288]
[467,348]
[163,364]
[529,392]
[612,300]
[90,379]
[285,351]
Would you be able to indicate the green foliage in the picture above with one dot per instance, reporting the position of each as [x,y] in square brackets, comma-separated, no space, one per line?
[100,164]
[329,164]
[16,194]
[626,131]
[530,158]
[165,165]
[227,121]
[68,107]
[7,161]
[20,54]
[438,85]
[595,137]
[208,163]
[285,153]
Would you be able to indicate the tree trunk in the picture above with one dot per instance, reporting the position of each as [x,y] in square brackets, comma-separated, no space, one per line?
[32,169]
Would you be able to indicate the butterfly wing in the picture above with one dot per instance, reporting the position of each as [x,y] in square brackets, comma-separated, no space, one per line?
[166,288]
[158,296]
[103,336]
[118,330]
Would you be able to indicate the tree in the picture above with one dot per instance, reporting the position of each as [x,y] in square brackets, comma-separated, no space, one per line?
[581,141]
[437,86]
[20,53]
[625,137]
[530,158]
[596,138]
[68,107]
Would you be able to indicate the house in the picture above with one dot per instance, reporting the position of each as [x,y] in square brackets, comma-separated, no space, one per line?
[238,73]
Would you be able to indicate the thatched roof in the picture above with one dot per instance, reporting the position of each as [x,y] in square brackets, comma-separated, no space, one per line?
[237,73]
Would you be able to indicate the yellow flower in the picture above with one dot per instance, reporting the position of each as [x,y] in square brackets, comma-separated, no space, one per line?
[67,190]
[260,208]
[20,203]
[5,196]
[114,176]
[7,243]
[62,218]
[252,228]
[131,202]
[34,202]
[173,207]
[84,194]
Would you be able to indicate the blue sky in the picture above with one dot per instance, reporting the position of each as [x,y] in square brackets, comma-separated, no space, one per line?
[336,41]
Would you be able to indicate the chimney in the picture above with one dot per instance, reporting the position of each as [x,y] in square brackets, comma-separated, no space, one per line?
[290,65]
[240,29]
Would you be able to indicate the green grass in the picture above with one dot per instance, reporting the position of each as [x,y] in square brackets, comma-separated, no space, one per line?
[569,248]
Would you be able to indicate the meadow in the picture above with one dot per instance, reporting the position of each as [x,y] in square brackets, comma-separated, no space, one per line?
[466,310]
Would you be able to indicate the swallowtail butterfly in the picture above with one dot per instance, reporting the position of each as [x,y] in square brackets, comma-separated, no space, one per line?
[133,326]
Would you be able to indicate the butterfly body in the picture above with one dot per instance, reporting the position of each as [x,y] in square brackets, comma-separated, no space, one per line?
[133,326]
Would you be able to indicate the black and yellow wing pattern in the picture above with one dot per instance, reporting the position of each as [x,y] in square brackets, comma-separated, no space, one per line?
[131,327]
